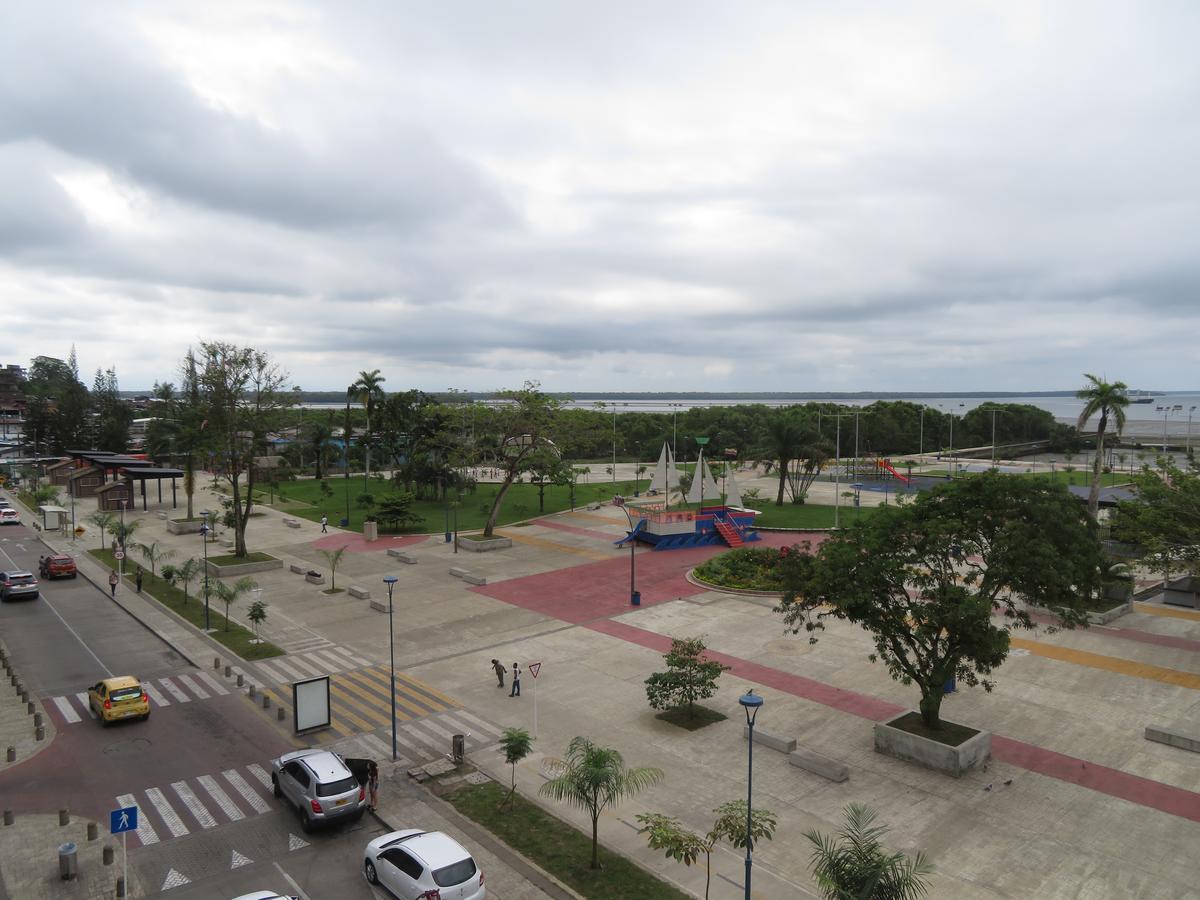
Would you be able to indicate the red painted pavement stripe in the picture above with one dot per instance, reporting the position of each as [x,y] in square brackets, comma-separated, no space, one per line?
[1102,779]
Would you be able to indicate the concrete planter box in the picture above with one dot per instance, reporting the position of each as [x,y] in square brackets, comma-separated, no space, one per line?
[1101,617]
[494,543]
[371,531]
[314,579]
[180,526]
[237,571]
[931,754]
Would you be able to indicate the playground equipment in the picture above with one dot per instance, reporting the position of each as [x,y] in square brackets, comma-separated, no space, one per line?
[887,464]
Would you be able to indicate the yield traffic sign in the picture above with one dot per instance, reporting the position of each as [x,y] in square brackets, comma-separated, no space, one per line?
[534,668]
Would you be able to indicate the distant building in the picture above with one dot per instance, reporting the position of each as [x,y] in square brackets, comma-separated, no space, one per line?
[12,400]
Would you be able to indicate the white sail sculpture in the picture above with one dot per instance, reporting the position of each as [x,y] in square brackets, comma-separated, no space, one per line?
[733,496]
[672,474]
[703,478]
[659,481]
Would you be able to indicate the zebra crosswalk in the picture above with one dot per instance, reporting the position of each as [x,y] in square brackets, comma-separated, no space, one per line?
[311,664]
[70,709]
[202,802]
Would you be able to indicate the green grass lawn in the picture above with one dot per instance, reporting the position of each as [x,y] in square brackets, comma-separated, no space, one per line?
[559,849]
[228,633]
[304,499]
[807,515]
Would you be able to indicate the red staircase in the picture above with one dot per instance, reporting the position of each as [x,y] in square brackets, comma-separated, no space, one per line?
[729,533]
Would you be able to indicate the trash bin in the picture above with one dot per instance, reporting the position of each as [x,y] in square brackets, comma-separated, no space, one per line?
[68,861]
[949,687]
[635,599]
[343,522]
[458,745]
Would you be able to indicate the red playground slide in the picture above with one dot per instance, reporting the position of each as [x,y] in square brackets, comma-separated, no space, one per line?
[887,464]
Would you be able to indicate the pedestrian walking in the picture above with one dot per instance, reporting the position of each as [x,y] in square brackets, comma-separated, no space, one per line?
[113,580]
[137,580]
[516,681]
[498,668]
[324,524]
[373,784]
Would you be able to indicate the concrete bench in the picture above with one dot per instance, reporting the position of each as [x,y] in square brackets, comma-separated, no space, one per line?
[163,516]
[379,605]
[474,579]
[314,579]
[360,592]
[814,762]
[593,506]
[291,523]
[458,573]
[397,553]
[299,570]
[774,741]
[1174,737]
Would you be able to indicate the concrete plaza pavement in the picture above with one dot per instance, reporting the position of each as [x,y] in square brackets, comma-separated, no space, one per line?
[560,596]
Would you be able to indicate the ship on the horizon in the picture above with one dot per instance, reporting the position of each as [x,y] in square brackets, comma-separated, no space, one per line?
[1140,397]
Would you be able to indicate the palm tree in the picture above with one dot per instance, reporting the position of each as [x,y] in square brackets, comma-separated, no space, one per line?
[154,554]
[367,390]
[105,521]
[1106,399]
[855,865]
[187,573]
[515,744]
[333,557]
[320,440]
[229,594]
[784,436]
[593,778]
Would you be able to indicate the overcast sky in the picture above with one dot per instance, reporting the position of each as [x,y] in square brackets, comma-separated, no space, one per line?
[607,196]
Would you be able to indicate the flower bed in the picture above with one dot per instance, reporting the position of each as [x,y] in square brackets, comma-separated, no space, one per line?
[746,568]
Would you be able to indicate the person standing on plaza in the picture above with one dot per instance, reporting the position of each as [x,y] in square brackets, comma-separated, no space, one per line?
[113,580]
[498,668]
[373,784]
[516,681]
[137,580]
[324,524]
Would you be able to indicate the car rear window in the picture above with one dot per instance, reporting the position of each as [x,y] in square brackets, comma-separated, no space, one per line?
[455,873]
[22,579]
[127,693]
[333,788]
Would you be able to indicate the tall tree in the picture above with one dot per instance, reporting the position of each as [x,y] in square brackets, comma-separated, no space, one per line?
[113,415]
[855,866]
[925,578]
[783,438]
[593,778]
[1108,400]
[523,425]
[243,393]
[1164,519]
[368,391]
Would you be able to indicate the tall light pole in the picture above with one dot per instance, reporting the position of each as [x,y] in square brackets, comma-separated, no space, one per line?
[1187,447]
[390,581]
[993,410]
[674,427]
[121,561]
[921,439]
[837,471]
[750,702]
[204,538]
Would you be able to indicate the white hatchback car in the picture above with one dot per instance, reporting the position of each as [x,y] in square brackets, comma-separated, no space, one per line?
[423,865]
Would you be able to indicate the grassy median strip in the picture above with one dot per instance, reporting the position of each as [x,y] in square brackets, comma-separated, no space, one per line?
[228,633]
[559,849]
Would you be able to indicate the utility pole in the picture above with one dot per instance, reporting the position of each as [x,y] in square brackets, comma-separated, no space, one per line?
[837,470]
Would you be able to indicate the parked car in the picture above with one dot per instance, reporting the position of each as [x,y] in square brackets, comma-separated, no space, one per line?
[320,785]
[415,864]
[18,586]
[10,517]
[119,698]
[58,566]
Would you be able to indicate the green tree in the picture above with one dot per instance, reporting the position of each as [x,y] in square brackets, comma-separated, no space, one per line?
[1108,400]
[366,502]
[230,594]
[183,575]
[515,744]
[154,553]
[319,436]
[113,416]
[523,425]
[1164,520]
[105,521]
[926,577]
[854,865]
[784,435]
[367,391]
[690,676]
[334,559]
[667,834]
[257,614]
[398,510]
[592,778]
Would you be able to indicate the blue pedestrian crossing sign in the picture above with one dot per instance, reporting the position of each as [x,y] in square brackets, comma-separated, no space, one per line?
[124,819]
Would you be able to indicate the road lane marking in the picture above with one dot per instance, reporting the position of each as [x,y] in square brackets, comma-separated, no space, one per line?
[74,634]
[293,673]
[174,691]
[193,804]
[234,777]
[263,776]
[167,812]
[155,694]
[375,744]
[68,711]
[174,879]
[332,664]
[421,738]
[482,725]
[288,878]
[238,860]
[145,831]
[193,687]
[272,673]
[221,798]
[309,670]
[436,728]
[215,685]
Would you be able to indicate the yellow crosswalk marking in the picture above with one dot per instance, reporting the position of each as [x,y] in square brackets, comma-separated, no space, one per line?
[1109,663]
[381,679]
[346,709]
[1153,609]
[378,705]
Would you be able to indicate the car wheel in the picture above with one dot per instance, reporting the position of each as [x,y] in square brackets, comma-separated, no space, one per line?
[369,871]
[275,788]
[74,574]
[146,716]
[306,822]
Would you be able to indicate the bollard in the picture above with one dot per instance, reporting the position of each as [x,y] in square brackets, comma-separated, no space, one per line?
[280,713]
[12,678]
[253,691]
[216,662]
[8,817]
[30,707]
[120,887]
[39,733]
[11,756]
[37,720]
[93,831]
[64,817]
[241,679]
[266,698]
[228,671]
[107,856]
[24,696]
[68,862]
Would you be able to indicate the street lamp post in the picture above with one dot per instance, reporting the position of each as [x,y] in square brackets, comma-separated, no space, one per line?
[750,702]
[921,439]
[390,581]
[121,561]
[1187,447]
[204,539]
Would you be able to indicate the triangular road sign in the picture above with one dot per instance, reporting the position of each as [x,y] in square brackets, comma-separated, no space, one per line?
[534,668]
[175,879]
[239,860]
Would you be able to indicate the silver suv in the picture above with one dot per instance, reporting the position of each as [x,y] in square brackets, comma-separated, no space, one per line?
[320,785]
[18,586]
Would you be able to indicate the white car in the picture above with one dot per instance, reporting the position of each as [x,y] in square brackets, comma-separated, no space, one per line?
[423,865]
[10,517]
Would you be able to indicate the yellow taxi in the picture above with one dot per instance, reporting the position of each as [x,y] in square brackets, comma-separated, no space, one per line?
[119,698]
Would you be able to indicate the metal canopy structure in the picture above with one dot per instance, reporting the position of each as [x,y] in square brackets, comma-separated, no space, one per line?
[150,472]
